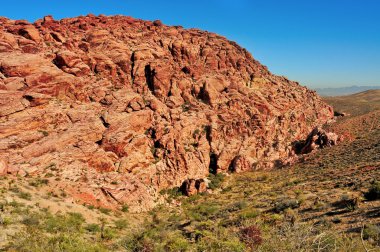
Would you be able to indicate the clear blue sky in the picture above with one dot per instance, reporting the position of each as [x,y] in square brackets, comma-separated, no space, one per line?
[321,43]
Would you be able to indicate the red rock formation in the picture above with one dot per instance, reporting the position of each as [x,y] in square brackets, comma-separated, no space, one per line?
[193,186]
[317,139]
[122,108]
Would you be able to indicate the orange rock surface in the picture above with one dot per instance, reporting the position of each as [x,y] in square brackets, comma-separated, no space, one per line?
[121,108]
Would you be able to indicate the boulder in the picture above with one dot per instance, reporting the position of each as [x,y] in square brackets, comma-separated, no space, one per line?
[240,164]
[193,186]
[317,139]
[30,32]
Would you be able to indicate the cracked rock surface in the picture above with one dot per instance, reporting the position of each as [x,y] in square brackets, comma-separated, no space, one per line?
[118,108]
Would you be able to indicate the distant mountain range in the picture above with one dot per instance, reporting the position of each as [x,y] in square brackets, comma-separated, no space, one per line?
[343,90]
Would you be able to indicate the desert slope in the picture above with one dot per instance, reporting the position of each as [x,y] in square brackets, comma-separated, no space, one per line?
[356,104]
[116,109]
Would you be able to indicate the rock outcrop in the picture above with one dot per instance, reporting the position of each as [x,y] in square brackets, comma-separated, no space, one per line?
[317,139]
[120,108]
[193,186]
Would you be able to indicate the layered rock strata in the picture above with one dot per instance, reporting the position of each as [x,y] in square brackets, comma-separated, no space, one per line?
[118,108]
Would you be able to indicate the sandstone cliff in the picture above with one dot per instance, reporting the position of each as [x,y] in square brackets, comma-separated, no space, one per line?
[118,109]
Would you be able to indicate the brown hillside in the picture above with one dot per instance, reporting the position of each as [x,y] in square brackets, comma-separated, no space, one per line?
[358,104]
[363,111]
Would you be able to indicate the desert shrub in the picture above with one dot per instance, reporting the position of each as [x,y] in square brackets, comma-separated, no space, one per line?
[104,210]
[249,214]
[121,224]
[38,182]
[215,180]
[92,228]
[292,182]
[14,189]
[290,215]
[251,236]
[15,204]
[346,202]
[239,205]
[44,132]
[25,195]
[273,218]
[325,242]
[177,243]
[371,232]
[285,203]
[227,210]
[32,219]
[125,208]
[172,193]
[373,192]
[108,234]
[5,221]
[262,178]
[137,242]
[91,207]
[33,240]
[203,211]
[71,222]
[221,239]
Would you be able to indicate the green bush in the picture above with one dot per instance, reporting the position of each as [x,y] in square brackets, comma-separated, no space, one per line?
[371,232]
[373,192]
[125,208]
[172,193]
[104,210]
[71,222]
[285,203]
[215,180]
[32,220]
[121,224]
[108,234]
[92,228]
[38,182]
[177,243]
[203,211]
[249,214]
[25,195]
[33,240]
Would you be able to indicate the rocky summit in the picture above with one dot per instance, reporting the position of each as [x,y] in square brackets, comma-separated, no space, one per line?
[116,109]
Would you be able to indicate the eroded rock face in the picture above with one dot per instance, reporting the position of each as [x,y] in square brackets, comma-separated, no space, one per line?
[121,108]
[317,139]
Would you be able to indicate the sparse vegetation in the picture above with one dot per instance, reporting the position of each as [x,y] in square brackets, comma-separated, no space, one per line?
[251,236]
[44,132]
[93,228]
[373,192]
[372,232]
[215,180]
[285,203]
[38,182]
[125,208]
[104,210]
[25,195]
